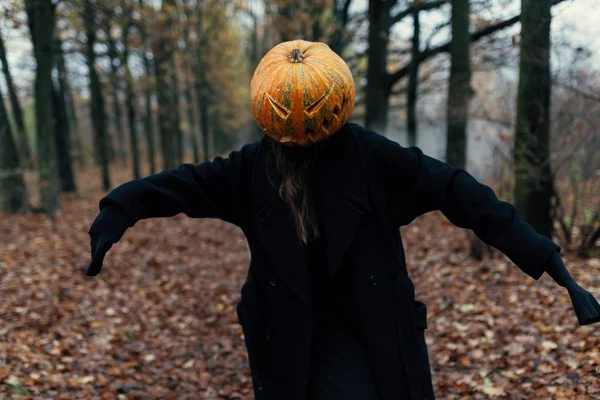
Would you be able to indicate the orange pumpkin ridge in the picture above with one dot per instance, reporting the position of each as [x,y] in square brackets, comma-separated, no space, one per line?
[301,92]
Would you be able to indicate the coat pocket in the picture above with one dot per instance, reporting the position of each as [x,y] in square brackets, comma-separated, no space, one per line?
[412,322]
[250,345]
[420,313]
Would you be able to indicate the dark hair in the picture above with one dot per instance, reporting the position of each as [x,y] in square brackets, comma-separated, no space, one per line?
[294,165]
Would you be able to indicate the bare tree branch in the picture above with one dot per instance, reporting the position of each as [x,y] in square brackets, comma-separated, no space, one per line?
[421,7]
[475,36]
[573,89]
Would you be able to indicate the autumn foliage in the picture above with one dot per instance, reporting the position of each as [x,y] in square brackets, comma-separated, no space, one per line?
[159,321]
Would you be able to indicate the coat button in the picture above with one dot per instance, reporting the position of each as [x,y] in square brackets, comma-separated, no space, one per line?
[373,280]
[268,334]
[397,342]
[273,281]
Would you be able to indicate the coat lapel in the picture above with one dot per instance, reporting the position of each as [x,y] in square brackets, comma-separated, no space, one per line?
[345,195]
[345,201]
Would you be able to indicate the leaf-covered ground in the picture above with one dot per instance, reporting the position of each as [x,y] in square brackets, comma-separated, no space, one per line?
[159,321]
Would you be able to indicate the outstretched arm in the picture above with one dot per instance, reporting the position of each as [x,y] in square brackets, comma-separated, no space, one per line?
[431,184]
[212,189]
[416,184]
[470,204]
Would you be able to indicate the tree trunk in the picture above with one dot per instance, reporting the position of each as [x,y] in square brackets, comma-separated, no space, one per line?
[121,151]
[217,130]
[377,93]
[97,99]
[77,146]
[164,103]
[12,186]
[256,52]
[163,52]
[533,181]
[459,87]
[204,124]
[17,112]
[413,82]
[148,121]
[193,127]
[131,114]
[192,123]
[41,23]
[459,95]
[316,29]
[202,91]
[175,117]
[61,137]
[338,41]
[61,125]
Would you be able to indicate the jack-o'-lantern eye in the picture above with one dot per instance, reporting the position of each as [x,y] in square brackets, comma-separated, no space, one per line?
[279,108]
[316,106]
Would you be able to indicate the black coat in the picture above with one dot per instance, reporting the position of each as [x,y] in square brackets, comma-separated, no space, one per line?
[374,186]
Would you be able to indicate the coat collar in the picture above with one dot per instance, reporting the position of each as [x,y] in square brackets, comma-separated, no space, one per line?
[344,202]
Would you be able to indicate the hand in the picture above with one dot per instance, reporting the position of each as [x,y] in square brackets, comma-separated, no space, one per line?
[585,305]
[108,227]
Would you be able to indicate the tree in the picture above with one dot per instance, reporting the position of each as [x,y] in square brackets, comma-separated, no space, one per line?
[175,117]
[228,87]
[97,99]
[459,94]
[189,59]
[379,82]
[377,89]
[257,49]
[413,81]
[191,116]
[12,186]
[163,49]
[338,39]
[61,125]
[148,120]
[533,180]
[459,87]
[130,101]
[201,83]
[115,83]
[41,19]
[17,112]
[67,96]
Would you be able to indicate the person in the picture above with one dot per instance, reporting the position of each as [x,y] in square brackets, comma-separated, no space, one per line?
[328,310]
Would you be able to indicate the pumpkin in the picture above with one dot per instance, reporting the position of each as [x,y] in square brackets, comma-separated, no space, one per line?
[301,93]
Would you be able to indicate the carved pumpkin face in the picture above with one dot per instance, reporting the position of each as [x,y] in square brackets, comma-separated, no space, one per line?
[301,93]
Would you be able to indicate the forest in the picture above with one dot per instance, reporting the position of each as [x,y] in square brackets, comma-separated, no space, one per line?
[95,93]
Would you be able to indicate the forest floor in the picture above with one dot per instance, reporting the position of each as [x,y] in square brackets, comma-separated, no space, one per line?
[159,322]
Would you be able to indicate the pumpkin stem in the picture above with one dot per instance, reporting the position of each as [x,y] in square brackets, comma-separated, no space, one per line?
[296,56]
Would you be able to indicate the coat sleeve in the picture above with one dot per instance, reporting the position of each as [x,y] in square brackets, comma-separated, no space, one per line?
[212,189]
[419,183]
